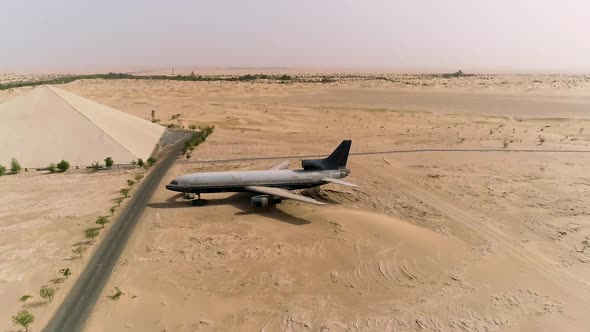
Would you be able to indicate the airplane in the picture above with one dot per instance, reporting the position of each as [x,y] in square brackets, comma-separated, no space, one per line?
[273,185]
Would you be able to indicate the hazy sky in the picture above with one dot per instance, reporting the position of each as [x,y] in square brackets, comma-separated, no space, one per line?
[411,35]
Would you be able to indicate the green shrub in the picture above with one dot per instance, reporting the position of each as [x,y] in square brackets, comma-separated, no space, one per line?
[23,318]
[108,162]
[151,161]
[125,192]
[117,294]
[130,182]
[102,220]
[2,170]
[47,293]
[52,168]
[140,162]
[25,298]
[197,138]
[63,166]
[14,166]
[95,166]
[66,272]
[92,233]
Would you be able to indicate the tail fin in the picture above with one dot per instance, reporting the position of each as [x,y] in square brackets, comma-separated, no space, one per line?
[336,160]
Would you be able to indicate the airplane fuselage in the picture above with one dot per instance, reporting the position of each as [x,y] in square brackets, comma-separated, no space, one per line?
[214,182]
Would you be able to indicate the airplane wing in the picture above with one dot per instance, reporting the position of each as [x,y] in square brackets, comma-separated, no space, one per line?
[340,182]
[283,194]
[282,165]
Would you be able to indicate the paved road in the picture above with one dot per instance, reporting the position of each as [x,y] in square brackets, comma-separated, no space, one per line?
[386,152]
[78,304]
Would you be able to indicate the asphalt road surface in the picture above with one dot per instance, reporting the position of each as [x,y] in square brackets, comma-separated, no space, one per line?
[78,304]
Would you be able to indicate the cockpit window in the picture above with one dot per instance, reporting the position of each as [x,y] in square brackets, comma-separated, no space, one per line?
[174,183]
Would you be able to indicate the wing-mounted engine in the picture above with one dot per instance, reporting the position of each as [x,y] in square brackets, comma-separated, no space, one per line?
[264,200]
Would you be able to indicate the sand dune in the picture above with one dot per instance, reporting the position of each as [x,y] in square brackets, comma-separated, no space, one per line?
[431,241]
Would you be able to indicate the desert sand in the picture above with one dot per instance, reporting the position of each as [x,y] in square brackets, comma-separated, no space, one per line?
[441,241]
[42,219]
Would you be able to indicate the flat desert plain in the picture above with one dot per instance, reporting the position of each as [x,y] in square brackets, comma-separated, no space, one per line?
[429,241]
[42,220]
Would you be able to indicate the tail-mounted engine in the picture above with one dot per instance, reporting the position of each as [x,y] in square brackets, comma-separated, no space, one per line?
[336,160]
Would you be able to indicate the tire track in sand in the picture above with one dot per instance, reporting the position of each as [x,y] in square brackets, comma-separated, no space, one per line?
[541,263]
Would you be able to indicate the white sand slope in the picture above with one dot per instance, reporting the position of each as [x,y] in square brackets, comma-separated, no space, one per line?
[49,124]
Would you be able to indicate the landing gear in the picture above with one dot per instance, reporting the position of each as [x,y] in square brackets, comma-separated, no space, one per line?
[189,196]
[199,201]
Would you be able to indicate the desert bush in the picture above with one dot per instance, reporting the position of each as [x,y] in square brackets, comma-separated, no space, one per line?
[102,220]
[24,319]
[125,192]
[458,73]
[95,166]
[140,162]
[47,293]
[117,294]
[92,233]
[52,168]
[192,126]
[63,166]
[108,161]
[2,170]
[138,177]
[79,250]
[197,138]
[113,209]
[25,298]
[133,163]
[14,166]
[66,272]
[151,161]
[130,182]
